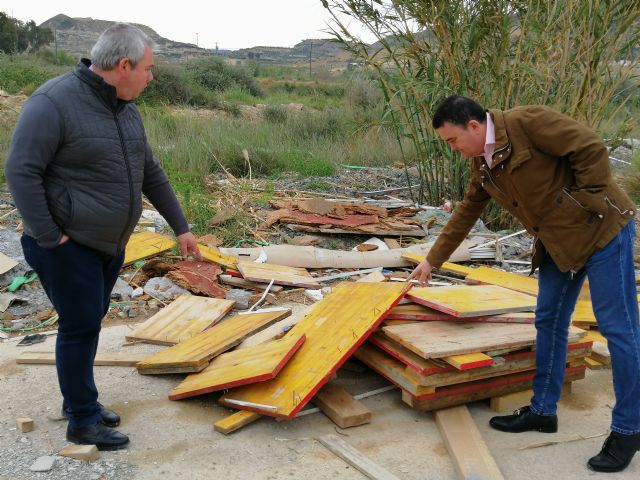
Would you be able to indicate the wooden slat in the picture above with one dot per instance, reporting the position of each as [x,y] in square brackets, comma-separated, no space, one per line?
[334,327]
[183,318]
[468,361]
[468,450]
[281,275]
[472,301]
[216,256]
[344,410]
[246,284]
[235,421]
[194,354]
[417,312]
[442,339]
[102,359]
[355,458]
[240,367]
[146,244]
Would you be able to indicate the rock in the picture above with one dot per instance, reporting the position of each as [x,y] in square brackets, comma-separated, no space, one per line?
[139,291]
[132,313]
[43,464]
[121,290]
[157,219]
[240,296]
[164,289]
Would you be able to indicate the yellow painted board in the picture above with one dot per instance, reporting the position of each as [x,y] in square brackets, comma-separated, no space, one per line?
[194,354]
[583,313]
[235,421]
[240,367]
[146,244]
[469,360]
[216,256]
[413,258]
[443,339]
[416,312]
[472,300]
[183,318]
[512,281]
[335,327]
[446,266]
[281,275]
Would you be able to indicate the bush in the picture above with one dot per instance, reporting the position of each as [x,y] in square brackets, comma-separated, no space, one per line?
[215,75]
[275,114]
[171,86]
[24,73]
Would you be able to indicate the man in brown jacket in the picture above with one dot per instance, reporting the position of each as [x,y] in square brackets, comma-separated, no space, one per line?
[553,174]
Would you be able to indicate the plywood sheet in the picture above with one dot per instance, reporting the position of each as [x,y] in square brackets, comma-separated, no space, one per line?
[472,301]
[334,327]
[146,244]
[281,275]
[194,354]
[216,256]
[183,318]
[240,367]
[417,312]
[441,339]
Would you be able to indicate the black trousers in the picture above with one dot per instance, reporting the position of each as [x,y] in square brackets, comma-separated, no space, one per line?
[78,280]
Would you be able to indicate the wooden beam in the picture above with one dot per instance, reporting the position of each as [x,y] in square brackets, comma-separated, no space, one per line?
[235,421]
[355,458]
[338,404]
[467,449]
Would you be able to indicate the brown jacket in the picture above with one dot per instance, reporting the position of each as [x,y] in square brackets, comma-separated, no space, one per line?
[553,174]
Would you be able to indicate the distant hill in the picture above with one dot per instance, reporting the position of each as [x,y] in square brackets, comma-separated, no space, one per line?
[76,36]
[316,47]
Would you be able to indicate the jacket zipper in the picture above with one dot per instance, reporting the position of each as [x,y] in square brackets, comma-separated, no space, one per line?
[126,162]
[621,212]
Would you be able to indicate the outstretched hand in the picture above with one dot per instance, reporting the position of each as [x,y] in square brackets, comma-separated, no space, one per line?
[422,273]
[188,245]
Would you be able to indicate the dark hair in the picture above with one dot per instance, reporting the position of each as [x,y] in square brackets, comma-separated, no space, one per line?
[458,110]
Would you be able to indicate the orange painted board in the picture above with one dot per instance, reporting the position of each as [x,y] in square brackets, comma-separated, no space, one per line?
[240,367]
[194,354]
[335,327]
[281,275]
[472,300]
[417,312]
[183,318]
[468,361]
[216,256]
[443,339]
[146,244]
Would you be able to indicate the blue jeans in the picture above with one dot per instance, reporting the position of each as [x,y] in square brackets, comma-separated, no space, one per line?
[614,297]
[78,280]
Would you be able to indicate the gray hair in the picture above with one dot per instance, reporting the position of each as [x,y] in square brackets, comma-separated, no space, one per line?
[119,41]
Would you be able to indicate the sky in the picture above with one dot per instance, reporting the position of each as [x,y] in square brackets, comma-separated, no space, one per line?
[231,24]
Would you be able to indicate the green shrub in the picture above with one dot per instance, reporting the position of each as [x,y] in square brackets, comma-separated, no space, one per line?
[215,75]
[24,73]
[275,114]
[170,85]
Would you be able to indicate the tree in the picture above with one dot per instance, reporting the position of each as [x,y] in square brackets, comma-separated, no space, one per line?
[18,37]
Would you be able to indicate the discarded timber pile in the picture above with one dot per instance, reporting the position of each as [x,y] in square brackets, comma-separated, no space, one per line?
[455,353]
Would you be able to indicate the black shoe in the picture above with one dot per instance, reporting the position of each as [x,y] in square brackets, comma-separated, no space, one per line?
[616,453]
[524,420]
[109,417]
[100,435]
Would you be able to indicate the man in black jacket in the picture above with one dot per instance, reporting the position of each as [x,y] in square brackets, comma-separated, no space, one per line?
[78,164]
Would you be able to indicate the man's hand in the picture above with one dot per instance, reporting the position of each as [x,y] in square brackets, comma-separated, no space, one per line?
[188,245]
[63,239]
[422,273]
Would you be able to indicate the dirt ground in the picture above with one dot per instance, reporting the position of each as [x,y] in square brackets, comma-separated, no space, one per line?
[177,439]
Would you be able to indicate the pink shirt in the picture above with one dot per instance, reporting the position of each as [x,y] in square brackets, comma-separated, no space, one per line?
[490,142]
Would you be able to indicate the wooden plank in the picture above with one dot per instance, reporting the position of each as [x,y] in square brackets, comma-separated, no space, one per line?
[355,458]
[469,360]
[594,364]
[146,244]
[472,301]
[601,353]
[25,424]
[235,421]
[216,256]
[102,358]
[512,401]
[194,354]
[183,318]
[513,281]
[467,449]
[281,275]
[246,284]
[88,453]
[442,339]
[335,327]
[240,367]
[417,312]
[338,404]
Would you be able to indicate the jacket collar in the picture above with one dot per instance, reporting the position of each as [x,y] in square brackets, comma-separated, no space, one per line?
[503,146]
[102,89]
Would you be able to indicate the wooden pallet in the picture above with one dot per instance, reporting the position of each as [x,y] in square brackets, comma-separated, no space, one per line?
[335,327]
[183,318]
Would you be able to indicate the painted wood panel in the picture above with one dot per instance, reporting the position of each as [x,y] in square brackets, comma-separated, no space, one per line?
[183,318]
[472,301]
[240,367]
[146,244]
[417,312]
[194,354]
[281,275]
[334,327]
[216,256]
